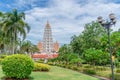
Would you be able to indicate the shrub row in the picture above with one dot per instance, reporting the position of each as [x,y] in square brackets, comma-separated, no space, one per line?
[85,69]
[89,71]
[118,71]
[40,61]
[50,63]
[41,67]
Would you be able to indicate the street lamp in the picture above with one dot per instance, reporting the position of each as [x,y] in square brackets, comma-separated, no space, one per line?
[107,25]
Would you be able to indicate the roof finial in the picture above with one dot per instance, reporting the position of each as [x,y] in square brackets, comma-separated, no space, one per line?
[47,25]
[47,22]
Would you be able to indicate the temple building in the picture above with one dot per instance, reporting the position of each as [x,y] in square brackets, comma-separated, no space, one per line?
[47,48]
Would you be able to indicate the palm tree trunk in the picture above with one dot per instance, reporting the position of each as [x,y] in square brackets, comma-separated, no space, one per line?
[15,36]
[13,48]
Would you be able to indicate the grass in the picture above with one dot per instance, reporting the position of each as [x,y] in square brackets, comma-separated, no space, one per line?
[1,75]
[57,73]
[107,73]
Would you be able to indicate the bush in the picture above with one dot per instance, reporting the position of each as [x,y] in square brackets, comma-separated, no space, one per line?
[116,62]
[118,71]
[75,68]
[40,61]
[77,61]
[50,63]
[87,66]
[69,66]
[89,71]
[58,65]
[17,66]
[96,56]
[101,68]
[41,67]
[63,65]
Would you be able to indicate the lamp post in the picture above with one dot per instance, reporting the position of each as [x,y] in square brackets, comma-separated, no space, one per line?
[107,25]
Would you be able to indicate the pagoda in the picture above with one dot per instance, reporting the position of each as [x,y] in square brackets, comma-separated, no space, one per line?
[47,48]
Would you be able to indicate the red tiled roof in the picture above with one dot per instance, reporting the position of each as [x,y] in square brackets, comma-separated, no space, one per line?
[48,56]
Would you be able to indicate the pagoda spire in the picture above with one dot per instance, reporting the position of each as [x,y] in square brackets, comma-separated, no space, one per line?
[47,25]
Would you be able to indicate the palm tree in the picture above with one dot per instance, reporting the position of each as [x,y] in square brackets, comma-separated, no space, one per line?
[28,48]
[14,25]
[2,35]
[1,42]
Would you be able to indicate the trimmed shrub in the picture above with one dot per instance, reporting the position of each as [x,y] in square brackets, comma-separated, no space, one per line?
[118,71]
[101,68]
[58,65]
[63,65]
[41,67]
[68,66]
[17,66]
[75,68]
[87,66]
[50,63]
[40,61]
[77,61]
[89,71]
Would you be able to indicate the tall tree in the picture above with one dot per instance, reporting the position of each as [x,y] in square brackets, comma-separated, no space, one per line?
[76,44]
[3,38]
[65,49]
[115,42]
[89,38]
[14,25]
[91,35]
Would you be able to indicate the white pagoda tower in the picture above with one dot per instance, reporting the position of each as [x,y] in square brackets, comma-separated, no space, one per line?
[48,45]
[47,48]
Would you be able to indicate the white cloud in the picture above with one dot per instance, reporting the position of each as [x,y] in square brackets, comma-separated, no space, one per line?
[67,17]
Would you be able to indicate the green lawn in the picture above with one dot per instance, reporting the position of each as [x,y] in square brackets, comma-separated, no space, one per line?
[1,75]
[57,73]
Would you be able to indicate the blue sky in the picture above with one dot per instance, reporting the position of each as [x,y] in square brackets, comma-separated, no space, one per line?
[67,17]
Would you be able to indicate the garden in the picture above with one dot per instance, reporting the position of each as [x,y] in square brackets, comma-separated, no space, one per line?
[21,67]
[87,53]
